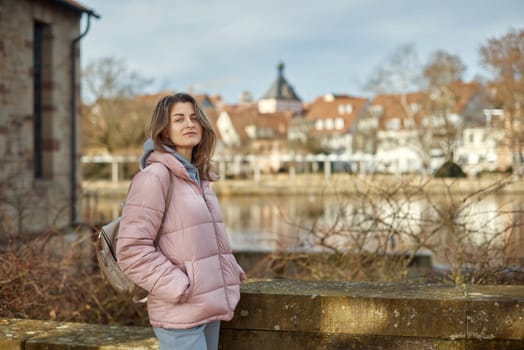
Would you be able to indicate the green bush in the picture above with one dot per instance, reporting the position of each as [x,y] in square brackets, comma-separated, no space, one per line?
[449,169]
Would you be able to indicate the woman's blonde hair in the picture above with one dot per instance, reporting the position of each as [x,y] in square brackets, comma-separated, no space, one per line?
[202,152]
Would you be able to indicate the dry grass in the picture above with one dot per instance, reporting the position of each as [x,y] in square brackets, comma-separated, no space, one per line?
[39,282]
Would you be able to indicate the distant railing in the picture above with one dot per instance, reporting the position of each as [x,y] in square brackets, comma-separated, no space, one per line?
[110,159]
[254,165]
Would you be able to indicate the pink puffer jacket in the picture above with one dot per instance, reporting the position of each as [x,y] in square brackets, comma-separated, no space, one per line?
[193,277]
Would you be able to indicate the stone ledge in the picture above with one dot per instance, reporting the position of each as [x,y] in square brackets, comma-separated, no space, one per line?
[270,340]
[39,335]
[353,313]
[322,315]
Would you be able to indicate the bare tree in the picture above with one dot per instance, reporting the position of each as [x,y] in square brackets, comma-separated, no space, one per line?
[432,118]
[399,73]
[505,57]
[115,118]
[110,78]
[395,80]
[443,69]
[380,229]
[442,72]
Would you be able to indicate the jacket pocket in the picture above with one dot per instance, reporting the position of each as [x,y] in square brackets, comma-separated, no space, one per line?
[190,272]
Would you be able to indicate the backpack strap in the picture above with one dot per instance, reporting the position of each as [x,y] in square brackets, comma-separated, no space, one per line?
[168,201]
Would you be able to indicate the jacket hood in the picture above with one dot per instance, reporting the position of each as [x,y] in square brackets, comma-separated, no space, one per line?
[149,147]
[176,166]
[173,164]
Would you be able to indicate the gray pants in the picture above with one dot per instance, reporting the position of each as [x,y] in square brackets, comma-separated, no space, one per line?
[203,337]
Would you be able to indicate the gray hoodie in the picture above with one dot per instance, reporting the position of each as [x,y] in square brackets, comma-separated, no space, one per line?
[149,147]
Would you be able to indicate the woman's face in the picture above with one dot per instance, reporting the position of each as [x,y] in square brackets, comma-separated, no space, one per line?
[185,130]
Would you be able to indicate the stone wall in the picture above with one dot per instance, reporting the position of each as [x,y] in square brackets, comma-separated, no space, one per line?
[17,20]
[323,315]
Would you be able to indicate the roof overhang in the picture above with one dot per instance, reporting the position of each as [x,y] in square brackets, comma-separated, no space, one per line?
[77,7]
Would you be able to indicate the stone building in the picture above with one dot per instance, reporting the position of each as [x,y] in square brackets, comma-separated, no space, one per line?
[39,100]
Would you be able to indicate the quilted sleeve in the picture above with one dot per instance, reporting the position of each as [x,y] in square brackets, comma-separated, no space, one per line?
[137,256]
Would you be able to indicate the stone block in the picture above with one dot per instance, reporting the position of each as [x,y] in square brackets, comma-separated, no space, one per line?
[495,312]
[49,335]
[14,333]
[259,340]
[348,315]
[352,308]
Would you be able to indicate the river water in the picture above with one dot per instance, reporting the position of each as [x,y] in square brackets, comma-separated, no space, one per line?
[309,222]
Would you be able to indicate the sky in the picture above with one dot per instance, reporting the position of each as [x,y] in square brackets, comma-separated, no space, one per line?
[227,47]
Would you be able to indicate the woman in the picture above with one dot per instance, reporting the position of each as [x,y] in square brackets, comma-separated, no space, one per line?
[192,277]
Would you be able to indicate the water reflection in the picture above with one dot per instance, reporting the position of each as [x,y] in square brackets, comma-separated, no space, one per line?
[270,223]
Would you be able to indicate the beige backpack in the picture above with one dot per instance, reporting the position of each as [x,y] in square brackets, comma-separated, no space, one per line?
[107,261]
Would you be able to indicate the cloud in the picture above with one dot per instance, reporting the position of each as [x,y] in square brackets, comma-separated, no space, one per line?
[327,45]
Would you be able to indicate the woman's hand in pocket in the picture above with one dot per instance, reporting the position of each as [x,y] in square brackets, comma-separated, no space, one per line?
[242,275]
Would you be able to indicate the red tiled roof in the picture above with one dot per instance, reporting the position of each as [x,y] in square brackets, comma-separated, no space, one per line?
[464,92]
[333,107]
[245,116]
[241,118]
[277,122]
[393,106]
[153,98]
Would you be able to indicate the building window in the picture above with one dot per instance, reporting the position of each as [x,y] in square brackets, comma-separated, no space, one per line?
[409,123]
[373,122]
[393,124]
[329,124]
[414,107]
[345,108]
[319,124]
[42,77]
[339,123]
[376,110]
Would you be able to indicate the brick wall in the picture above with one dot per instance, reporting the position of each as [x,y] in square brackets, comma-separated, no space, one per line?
[46,196]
